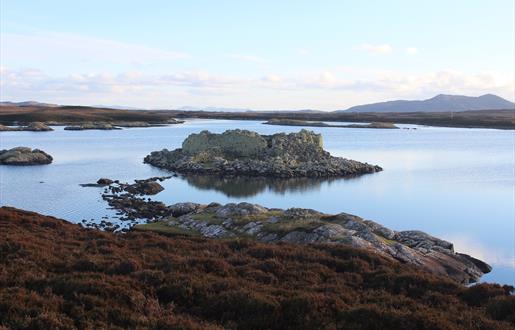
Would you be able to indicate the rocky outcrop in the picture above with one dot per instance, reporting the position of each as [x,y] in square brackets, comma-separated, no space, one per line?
[24,156]
[33,127]
[296,122]
[241,152]
[305,226]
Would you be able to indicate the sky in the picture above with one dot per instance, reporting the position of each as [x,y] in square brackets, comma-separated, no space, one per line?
[266,55]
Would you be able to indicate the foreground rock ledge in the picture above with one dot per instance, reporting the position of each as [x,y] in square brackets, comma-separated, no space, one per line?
[306,226]
[24,156]
[242,152]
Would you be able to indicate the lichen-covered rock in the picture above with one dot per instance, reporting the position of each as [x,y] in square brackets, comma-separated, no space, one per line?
[240,152]
[306,226]
[24,156]
[232,143]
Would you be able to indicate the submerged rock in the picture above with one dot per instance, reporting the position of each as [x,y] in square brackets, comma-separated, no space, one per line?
[241,152]
[305,226]
[24,156]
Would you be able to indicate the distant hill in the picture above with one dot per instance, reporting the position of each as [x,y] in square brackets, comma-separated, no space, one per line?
[439,103]
[28,104]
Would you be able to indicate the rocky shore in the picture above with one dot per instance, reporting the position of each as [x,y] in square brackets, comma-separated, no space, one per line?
[129,201]
[24,156]
[296,122]
[272,225]
[57,275]
[306,226]
[242,152]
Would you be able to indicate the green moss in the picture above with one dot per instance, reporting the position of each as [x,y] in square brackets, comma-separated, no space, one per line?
[284,227]
[244,219]
[162,227]
[210,218]
[387,241]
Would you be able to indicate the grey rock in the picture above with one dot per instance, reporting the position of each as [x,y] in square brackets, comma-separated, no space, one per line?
[179,209]
[306,226]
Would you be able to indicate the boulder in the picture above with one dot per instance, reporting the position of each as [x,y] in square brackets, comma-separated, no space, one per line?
[104,181]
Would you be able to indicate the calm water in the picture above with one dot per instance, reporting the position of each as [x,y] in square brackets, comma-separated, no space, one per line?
[456,184]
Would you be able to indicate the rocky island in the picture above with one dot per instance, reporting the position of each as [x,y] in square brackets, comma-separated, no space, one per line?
[32,127]
[117,125]
[306,226]
[296,122]
[24,156]
[242,152]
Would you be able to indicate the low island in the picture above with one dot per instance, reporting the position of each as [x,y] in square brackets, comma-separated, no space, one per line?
[297,122]
[242,152]
[31,127]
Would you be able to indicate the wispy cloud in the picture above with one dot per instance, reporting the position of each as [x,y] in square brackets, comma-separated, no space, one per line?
[411,51]
[375,49]
[304,51]
[248,58]
[78,49]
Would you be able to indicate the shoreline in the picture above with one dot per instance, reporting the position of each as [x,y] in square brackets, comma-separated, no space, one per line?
[493,119]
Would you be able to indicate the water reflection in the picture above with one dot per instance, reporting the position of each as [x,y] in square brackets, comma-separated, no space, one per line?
[245,186]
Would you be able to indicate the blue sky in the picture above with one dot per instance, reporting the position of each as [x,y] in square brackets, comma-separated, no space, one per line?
[261,54]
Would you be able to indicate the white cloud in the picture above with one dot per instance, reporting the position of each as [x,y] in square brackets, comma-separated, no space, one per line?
[248,58]
[375,49]
[318,90]
[303,51]
[411,51]
[272,78]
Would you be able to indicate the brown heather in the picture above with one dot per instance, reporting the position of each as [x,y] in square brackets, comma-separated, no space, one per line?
[57,275]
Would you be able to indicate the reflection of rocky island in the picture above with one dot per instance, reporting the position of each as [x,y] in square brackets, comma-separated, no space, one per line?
[24,156]
[241,152]
[296,122]
[247,186]
[305,226]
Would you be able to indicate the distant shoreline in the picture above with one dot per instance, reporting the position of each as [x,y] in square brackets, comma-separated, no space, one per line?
[496,119]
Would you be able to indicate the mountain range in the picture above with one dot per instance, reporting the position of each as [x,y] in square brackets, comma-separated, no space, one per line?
[439,103]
